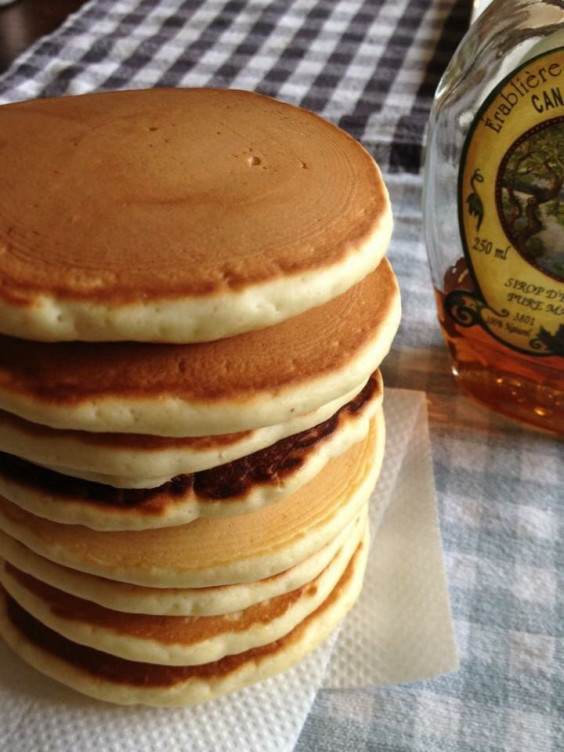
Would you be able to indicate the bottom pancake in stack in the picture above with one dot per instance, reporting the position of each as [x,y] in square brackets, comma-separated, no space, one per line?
[118,680]
[182,614]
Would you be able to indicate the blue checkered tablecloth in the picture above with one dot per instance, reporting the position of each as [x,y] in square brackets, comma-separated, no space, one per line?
[372,68]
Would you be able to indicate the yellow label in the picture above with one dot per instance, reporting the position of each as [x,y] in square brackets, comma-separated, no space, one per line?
[511,211]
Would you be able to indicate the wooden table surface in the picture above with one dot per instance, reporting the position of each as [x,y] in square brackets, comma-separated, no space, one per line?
[24,21]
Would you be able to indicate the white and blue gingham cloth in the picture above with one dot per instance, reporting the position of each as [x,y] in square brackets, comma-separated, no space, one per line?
[372,67]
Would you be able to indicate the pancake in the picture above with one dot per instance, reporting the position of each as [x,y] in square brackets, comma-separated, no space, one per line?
[127,460]
[178,215]
[209,601]
[255,379]
[116,680]
[173,640]
[219,551]
[240,487]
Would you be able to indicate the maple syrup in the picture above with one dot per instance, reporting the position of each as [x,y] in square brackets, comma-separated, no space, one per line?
[515,385]
[494,210]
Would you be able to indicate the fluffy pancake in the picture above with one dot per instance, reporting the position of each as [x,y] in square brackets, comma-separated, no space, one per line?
[209,601]
[240,487]
[112,679]
[173,640]
[219,551]
[178,215]
[126,460]
[256,379]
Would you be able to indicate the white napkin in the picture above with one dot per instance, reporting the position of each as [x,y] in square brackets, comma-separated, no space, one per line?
[399,630]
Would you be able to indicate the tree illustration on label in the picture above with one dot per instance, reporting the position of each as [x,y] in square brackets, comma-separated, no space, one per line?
[531,198]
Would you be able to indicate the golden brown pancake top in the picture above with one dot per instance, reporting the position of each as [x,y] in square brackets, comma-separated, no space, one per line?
[319,342]
[158,194]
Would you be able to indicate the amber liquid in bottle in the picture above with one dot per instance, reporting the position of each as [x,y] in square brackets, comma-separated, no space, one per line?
[519,386]
[494,210]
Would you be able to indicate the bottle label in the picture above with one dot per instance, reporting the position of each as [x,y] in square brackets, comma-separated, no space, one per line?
[511,211]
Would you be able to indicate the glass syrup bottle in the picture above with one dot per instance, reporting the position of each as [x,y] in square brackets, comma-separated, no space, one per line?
[494,209]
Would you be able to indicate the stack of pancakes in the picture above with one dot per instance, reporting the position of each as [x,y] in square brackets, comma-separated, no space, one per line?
[194,303]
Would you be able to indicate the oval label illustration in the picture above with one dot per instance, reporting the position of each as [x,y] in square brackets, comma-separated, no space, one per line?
[511,211]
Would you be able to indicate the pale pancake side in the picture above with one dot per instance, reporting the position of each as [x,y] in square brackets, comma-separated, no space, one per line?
[207,601]
[126,460]
[173,640]
[240,487]
[213,552]
[189,214]
[255,379]
[127,682]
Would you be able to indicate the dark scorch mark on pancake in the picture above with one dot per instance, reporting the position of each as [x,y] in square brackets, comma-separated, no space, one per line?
[224,482]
